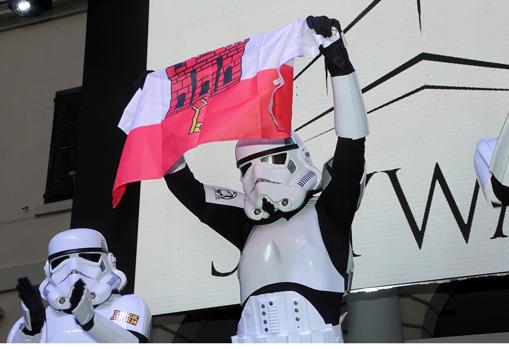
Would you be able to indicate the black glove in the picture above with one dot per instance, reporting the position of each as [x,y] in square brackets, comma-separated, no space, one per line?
[31,298]
[77,294]
[336,57]
[322,25]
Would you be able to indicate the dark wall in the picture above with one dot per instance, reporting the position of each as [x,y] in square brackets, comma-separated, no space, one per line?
[115,56]
[475,306]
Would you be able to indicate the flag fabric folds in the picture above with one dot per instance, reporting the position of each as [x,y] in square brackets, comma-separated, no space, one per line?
[239,91]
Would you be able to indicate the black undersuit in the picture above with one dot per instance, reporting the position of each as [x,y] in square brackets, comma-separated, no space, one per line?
[335,208]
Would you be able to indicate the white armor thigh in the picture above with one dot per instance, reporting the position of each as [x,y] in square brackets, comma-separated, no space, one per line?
[284,317]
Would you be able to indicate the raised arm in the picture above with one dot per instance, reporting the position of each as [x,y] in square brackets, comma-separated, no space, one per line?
[341,196]
[219,208]
[339,200]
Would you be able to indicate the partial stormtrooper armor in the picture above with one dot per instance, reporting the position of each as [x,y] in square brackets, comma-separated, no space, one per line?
[80,254]
[482,158]
[284,317]
[350,119]
[80,287]
[491,163]
[299,240]
[276,175]
[500,162]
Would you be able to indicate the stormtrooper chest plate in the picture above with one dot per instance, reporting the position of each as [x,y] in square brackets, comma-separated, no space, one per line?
[62,327]
[288,251]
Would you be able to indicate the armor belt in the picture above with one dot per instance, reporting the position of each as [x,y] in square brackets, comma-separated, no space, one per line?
[283,317]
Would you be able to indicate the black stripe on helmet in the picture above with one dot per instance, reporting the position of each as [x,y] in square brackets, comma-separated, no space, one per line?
[77,250]
[266,152]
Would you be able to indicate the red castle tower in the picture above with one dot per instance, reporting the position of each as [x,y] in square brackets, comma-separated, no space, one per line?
[204,76]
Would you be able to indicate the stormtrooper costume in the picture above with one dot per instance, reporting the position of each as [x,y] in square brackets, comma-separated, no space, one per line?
[491,162]
[295,249]
[80,287]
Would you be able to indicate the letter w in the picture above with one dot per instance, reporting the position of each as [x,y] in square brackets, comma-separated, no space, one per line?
[438,176]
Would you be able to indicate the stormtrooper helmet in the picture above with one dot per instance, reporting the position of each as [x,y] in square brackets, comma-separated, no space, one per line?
[276,175]
[79,254]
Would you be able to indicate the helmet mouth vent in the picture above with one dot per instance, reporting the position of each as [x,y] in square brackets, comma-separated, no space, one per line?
[268,206]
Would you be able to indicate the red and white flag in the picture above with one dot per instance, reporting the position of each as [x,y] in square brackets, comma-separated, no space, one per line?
[239,91]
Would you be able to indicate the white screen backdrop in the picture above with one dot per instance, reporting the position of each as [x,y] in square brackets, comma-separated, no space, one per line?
[435,76]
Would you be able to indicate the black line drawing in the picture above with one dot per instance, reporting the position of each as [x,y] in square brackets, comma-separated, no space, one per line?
[348,27]
[419,14]
[421,57]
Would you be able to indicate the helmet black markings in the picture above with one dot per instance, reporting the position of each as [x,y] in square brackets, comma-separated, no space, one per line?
[77,250]
[266,152]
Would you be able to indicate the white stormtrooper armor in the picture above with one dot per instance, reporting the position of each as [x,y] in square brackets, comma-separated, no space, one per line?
[491,163]
[295,248]
[78,260]
[286,252]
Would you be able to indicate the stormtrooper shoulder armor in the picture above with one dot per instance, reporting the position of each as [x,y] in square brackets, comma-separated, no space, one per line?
[131,313]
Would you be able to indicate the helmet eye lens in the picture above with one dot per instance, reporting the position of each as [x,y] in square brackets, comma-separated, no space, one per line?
[55,262]
[244,168]
[278,159]
[93,257]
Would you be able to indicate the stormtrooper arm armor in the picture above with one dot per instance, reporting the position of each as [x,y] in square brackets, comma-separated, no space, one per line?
[495,191]
[222,212]
[129,323]
[19,333]
[350,118]
[499,164]
[340,199]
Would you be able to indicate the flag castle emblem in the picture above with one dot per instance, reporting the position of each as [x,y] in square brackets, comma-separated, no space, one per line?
[205,75]
[243,90]
[195,80]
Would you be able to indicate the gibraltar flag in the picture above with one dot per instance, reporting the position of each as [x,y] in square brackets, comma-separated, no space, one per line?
[239,91]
